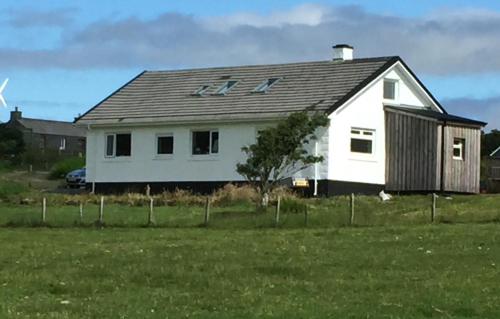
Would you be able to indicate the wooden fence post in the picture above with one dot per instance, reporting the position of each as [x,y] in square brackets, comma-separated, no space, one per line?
[81,212]
[207,211]
[277,216]
[433,210]
[44,209]
[101,211]
[351,217]
[151,218]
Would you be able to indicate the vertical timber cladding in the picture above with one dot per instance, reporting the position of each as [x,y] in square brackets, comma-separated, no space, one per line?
[462,175]
[412,152]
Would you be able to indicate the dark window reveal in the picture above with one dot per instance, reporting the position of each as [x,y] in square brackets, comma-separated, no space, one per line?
[361,146]
[123,144]
[205,142]
[165,145]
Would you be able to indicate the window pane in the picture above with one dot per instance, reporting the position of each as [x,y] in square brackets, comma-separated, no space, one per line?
[456,152]
[123,144]
[165,145]
[201,142]
[355,132]
[361,146]
[110,139]
[389,90]
[215,142]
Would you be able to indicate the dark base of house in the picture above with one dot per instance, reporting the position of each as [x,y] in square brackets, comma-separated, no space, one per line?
[325,187]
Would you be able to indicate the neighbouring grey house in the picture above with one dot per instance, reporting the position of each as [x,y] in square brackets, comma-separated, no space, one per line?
[48,135]
[494,169]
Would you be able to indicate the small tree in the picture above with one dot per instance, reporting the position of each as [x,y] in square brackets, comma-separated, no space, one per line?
[280,152]
[11,144]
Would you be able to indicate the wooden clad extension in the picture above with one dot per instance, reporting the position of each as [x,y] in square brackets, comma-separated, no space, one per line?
[412,155]
[416,148]
[462,175]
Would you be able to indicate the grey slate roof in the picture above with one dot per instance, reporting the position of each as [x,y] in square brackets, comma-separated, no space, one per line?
[168,95]
[52,127]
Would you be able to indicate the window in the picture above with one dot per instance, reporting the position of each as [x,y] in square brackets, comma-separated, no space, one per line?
[459,149]
[164,144]
[205,142]
[266,85]
[201,90]
[118,145]
[362,141]
[226,87]
[390,89]
[62,145]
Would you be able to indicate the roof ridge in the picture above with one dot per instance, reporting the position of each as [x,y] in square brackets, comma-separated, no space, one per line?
[44,120]
[358,60]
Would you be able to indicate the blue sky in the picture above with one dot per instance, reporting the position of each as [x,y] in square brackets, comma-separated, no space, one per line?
[63,57]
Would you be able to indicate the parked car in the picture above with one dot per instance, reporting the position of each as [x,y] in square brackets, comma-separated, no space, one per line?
[76,178]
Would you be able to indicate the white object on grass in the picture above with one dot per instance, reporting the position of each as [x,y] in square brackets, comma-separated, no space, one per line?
[383,196]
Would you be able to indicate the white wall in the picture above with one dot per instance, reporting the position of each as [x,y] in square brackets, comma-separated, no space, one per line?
[144,166]
[366,111]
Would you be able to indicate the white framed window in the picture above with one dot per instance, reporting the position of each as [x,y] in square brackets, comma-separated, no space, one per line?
[164,144]
[201,90]
[362,141]
[391,89]
[266,85]
[226,87]
[459,149]
[118,145]
[62,144]
[205,142]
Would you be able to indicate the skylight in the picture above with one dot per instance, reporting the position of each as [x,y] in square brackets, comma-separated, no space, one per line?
[226,87]
[266,85]
[201,90]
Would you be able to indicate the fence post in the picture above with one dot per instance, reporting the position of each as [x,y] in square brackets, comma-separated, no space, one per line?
[81,212]
[277,216]
[101,211]
[306,213]
[207,211]
[151,218]
[44,209]
[433,210]
[148,190]
[351,217]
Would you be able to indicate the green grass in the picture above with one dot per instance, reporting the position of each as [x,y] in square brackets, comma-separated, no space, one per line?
[438,271]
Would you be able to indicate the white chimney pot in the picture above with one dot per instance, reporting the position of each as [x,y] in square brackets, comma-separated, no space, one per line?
[342,52]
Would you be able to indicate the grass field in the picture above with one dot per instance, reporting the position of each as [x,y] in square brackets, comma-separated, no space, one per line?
[438,271]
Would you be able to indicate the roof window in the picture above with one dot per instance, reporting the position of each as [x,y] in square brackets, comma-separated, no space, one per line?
[266,85]
[201,90]
[226,87]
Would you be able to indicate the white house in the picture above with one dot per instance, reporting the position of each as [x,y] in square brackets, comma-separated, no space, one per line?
[185,128]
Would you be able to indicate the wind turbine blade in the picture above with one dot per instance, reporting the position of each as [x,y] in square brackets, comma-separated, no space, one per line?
[3,101]
[3,85]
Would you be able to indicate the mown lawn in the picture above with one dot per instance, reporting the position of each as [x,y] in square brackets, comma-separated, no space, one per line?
[415,271]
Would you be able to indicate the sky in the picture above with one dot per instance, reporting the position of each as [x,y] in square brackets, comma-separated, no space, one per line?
[63,57]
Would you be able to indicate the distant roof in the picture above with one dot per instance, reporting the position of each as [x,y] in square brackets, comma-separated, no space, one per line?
[52,127]
[496,153]
[438,116]
[169,95]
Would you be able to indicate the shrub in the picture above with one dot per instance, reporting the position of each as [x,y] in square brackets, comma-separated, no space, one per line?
[61,168]
[10,188]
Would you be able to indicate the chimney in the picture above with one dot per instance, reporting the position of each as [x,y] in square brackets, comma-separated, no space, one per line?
[15,115]
[342,52]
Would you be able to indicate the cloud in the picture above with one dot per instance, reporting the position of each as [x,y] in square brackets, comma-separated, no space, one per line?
[487,110]
[29,18]
[451,42]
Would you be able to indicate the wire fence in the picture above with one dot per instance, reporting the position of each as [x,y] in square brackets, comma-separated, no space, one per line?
[342,211]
